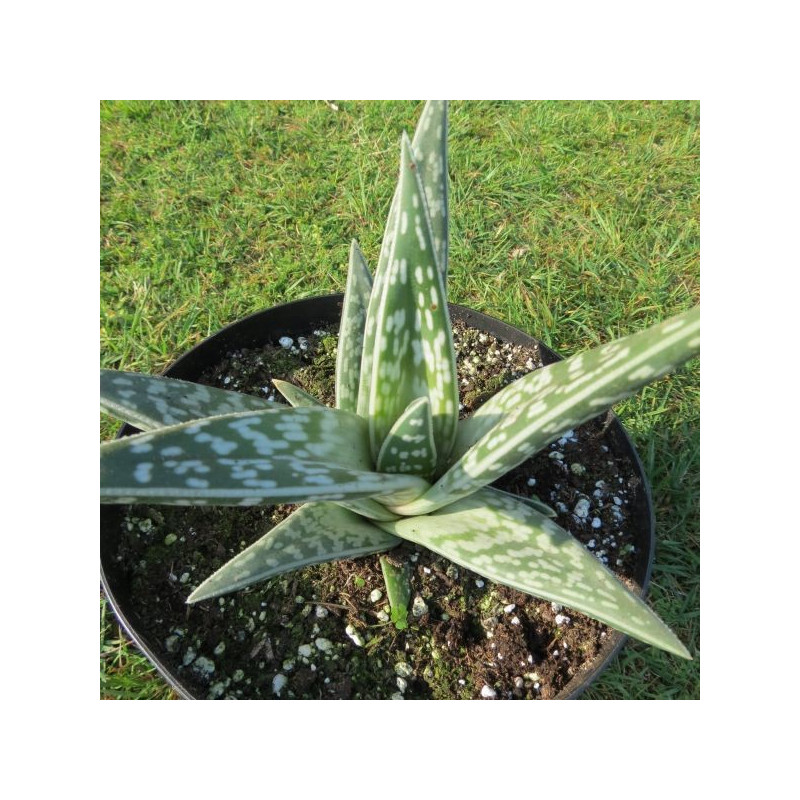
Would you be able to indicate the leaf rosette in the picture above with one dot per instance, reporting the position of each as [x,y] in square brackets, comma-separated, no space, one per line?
[392,460]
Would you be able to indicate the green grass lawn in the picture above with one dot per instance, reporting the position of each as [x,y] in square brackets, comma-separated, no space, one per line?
[575,221]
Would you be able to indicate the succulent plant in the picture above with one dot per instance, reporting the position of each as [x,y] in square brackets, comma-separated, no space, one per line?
[392,460]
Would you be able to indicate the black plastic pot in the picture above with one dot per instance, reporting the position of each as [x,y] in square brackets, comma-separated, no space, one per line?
[299,318]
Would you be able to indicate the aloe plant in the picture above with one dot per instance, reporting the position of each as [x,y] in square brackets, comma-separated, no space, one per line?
[392,460]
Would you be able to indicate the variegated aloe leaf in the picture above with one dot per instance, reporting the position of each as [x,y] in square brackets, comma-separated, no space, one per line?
[149,401]
[409,446]
[371,321]
[511,543]
[398,590]
[351,330]
[533,501]
[430,151]
[278,455]
[295,396]
[313,534]
[527,415]
[423,141]
[413,346]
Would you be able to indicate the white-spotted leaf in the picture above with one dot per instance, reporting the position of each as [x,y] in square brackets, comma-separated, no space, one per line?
[274,456]
[409,446]
[430,151]
[351,330]
[511,543]
[430,145]
[413,348]
[149,401]
[313,534]
[527,415]
[298,398]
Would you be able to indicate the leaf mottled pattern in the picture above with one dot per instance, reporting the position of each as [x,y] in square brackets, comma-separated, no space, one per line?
[507,541]
[153,401]
[271,456]
[313,534]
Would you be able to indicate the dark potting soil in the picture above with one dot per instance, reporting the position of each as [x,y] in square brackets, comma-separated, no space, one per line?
[323,632]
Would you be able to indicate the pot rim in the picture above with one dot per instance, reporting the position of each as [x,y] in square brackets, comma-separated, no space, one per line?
[250,331]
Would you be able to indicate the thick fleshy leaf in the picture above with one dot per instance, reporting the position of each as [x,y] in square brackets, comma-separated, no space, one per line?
[150,401]
[351,330]
[414,354]
[532,500]
[313,534]
[527,415]
[371,321]
[430,151]
[409,446]
[295,396]
[511,543]
[398,590]
[279,455]
[430,144]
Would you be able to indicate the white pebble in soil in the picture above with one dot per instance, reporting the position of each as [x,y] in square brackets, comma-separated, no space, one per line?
[203,667]
[403,670]
[357,638]
[582,508]
[375,595]
[488,693]
[278,684]
[419,608]
[286,342]
[217,690]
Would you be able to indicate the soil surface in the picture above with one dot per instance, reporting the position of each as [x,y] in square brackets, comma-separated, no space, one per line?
[324,632]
